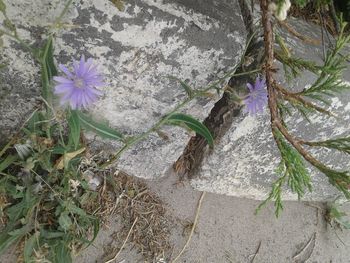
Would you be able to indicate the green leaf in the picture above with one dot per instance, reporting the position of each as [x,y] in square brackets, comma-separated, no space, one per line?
[71,207]
[48,69]
[96,230]
[29,246]
[59,150]
[20,231]
[119,4]
[6,241]
[300,3]
[7,162]
[74,128]
[185,86]
[65,221]
[2,7]
[339,216]
[10,235]
[193,124]
[51,235]
[340,144]
[62,253]
[99,128]
[50,64]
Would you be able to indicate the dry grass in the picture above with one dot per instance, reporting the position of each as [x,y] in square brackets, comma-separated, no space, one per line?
[151,232]
[129,198]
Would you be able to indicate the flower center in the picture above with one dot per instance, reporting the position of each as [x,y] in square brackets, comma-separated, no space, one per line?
[79,83]
[254,95]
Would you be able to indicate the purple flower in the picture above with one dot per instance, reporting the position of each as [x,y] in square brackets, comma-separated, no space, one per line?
[78,88]
[257,97]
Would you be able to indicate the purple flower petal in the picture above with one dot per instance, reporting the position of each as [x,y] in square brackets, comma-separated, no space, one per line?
[62,88]
[79,87]
[250,87]
[257,97]
[63,80]
[65,70]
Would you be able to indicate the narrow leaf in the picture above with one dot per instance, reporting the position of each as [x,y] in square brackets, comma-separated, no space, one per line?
[51,235]
[118,4]
[62,253]
[74,128]
[7,241]
[99,128]
[2,7]
[185,86]
[7,162]
[48,69]
[50,64]
[29,246]
[193,124]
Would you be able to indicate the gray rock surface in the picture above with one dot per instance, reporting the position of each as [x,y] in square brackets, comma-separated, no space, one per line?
[136,49]
[243,163]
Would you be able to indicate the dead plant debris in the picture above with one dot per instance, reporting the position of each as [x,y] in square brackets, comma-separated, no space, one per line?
[130,198]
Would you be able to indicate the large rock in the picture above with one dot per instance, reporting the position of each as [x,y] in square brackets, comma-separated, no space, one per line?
[137,49]
[243,163]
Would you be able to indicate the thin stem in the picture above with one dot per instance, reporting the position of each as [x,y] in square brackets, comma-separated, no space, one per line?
[322,36]
[142,136]
[64,11]
[227,75]
[24,44]
[133,140]
[124,243]
[276,123]
[195,222]
[56,193]
[292,97]
[19,40]
[269,53]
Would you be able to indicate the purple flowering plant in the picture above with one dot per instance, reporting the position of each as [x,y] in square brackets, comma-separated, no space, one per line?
[256,99]
[78,87]
[57,155]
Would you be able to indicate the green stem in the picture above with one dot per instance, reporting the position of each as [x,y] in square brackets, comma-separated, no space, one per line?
[19,40]
[142,136]
[163,120]
[64,11]
[46,92]
[227,75]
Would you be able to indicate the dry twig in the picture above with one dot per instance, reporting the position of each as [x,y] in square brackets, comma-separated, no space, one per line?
[256,253]
[193,228]
[126,239]
[305,253]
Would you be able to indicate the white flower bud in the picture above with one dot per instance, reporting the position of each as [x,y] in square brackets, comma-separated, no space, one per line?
[282,13]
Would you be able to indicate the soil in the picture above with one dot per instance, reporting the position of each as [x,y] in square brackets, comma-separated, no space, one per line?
[229,231]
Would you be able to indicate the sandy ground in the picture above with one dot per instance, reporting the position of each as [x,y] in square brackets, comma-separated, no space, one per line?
[228,231]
